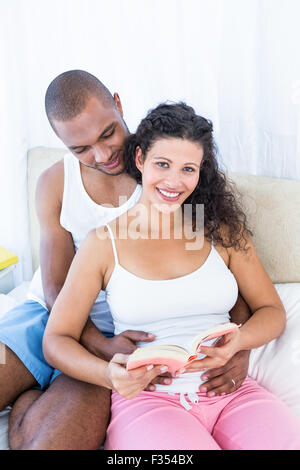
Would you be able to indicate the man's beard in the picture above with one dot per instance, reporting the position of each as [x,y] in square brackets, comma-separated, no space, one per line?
[106,172]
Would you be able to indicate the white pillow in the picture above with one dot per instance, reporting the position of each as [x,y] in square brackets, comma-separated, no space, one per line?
[276,365]
[4,418]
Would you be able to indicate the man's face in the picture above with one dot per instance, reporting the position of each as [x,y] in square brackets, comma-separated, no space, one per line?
[96,136]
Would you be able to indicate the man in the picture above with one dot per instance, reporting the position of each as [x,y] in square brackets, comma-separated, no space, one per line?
[70,199]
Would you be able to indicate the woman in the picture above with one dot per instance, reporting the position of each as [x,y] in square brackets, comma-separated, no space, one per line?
[174,286]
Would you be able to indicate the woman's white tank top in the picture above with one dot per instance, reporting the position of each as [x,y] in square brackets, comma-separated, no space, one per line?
[79,215]
[174,310]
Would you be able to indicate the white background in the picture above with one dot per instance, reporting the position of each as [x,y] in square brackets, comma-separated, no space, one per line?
[236,61]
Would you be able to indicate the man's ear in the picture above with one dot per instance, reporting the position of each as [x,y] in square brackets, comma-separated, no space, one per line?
[139,158]
[118,103]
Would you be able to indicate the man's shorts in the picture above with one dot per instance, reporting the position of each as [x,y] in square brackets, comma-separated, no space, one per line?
[22,330]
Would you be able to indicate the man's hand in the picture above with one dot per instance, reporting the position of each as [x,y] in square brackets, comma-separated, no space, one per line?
[125,343]
[228,378]
[225,379]
[105,348]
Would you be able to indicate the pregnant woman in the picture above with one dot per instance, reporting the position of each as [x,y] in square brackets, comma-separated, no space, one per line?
[165,274]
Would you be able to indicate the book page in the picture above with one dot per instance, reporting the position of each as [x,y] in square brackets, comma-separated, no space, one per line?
[214,332]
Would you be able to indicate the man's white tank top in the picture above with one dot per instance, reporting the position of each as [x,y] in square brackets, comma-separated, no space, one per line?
[79,215]
[174,310]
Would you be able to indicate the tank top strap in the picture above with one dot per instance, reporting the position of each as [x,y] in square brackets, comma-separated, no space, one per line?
[113,243]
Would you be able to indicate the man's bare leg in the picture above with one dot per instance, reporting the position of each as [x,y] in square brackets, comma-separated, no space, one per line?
[69,415]
[15,378]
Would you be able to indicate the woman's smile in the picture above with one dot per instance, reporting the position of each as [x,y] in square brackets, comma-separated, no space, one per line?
[168,195]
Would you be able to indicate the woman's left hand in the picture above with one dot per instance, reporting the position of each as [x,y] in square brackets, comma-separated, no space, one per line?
[218,356]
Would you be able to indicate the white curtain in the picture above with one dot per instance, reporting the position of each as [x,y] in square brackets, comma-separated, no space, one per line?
[236,61]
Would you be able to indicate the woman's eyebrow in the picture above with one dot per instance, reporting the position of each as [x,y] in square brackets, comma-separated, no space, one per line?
[165,158]
[193,163]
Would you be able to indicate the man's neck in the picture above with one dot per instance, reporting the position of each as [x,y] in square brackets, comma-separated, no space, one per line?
[106,189]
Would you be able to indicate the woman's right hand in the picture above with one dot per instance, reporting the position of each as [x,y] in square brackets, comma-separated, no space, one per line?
[131,383]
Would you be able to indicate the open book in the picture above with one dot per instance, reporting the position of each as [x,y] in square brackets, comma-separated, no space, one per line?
[174,356]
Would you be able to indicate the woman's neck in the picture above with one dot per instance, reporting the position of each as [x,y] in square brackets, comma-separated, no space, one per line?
[157,221]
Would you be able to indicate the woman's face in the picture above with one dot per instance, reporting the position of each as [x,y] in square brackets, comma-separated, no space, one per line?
[170,172]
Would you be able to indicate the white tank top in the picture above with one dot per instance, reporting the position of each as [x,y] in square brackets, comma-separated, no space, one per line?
[79,215]
[175,310]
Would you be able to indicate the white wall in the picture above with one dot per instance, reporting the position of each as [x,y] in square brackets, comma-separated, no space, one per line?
[235,61]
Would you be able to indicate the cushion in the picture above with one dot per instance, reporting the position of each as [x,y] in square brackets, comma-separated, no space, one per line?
[6,303]
[273,210]
[38,160]
[276,365]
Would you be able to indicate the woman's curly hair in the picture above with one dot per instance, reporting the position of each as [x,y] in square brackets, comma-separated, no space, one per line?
[219,196]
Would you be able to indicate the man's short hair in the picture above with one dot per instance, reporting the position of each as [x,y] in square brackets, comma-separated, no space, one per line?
[68,93]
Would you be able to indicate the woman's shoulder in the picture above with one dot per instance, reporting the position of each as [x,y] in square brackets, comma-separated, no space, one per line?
[96,241]
[96,250]
[229,248]
[238,240]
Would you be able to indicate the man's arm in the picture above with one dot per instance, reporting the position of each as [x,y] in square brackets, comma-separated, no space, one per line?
[240,313]
[56,244]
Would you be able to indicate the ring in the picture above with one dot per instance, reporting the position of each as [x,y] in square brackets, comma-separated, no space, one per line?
[233,381]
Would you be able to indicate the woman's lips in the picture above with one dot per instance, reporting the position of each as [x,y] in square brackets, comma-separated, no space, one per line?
[165,197]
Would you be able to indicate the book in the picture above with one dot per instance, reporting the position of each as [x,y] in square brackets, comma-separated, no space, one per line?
[174,356]
[7,258]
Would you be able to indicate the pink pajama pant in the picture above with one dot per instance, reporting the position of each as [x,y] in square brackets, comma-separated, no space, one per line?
[250,418]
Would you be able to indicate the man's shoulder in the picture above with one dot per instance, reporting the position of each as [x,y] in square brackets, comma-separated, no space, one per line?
[50,184]
[52,177]
[54,171]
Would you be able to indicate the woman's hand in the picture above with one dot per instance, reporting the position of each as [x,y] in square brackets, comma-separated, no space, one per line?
[131,383]
[217,356]
[226,379]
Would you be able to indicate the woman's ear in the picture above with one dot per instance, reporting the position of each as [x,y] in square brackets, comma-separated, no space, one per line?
[139,158]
